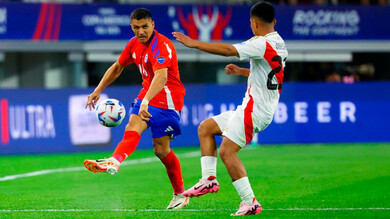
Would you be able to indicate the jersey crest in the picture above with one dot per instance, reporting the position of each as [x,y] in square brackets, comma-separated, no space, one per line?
[146,58]
[160,60]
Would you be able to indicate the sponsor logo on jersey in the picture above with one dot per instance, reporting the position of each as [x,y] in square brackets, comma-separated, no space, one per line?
[160,60]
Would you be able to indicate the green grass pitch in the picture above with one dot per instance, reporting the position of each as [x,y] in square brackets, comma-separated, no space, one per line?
[290,181]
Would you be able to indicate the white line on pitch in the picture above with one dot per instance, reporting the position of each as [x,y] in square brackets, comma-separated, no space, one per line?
[189,210]
[70,169]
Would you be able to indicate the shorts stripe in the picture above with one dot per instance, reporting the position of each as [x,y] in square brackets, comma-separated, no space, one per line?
[248,122]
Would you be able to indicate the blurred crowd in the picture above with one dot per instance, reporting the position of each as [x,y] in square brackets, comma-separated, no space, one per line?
[364,67]
[286,2]
[331,2]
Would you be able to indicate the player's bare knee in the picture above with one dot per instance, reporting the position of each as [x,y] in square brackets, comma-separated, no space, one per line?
[226,152]
[160,151]
[207,128]
[202,131]
[223,153]
[157,153]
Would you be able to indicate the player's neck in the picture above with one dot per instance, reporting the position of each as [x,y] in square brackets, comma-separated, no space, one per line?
[264,31]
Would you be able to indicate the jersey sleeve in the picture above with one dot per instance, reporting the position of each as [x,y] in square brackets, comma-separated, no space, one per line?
[162,53]
[253,48]
[126,58]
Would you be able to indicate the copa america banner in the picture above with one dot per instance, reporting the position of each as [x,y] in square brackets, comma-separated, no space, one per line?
[48,121]
[82,22]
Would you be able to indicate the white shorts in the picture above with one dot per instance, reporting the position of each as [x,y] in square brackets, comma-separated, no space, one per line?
[239,127]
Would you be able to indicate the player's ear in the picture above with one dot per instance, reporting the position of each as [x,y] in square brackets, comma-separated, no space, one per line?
[257,23]
[274,22]
[153,24]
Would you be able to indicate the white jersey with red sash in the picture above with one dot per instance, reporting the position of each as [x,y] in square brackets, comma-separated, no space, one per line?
[267,57]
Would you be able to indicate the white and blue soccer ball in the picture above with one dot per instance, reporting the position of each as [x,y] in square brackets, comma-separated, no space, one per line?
[110,112]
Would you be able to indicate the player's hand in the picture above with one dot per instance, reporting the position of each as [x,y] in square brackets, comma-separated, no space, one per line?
[232,69]
[184,39]
[92,100]
[143,112]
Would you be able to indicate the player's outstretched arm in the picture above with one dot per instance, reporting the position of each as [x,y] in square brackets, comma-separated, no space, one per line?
[214,48]
[232,69]
[111,74]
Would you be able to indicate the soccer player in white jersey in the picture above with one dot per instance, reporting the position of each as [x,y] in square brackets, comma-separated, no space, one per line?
[267,54]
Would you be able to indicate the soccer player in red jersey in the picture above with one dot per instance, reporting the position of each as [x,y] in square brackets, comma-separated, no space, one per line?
[158,104]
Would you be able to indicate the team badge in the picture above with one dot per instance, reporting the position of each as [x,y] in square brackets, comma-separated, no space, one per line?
[160,60]
[146,58]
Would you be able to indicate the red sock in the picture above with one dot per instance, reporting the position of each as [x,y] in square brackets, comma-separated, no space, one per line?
[126,146]
[174,172]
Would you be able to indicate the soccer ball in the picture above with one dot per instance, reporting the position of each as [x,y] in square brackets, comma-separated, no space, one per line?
[110,112]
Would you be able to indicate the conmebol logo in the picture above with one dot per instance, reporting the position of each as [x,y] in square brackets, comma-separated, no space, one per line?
[25,122]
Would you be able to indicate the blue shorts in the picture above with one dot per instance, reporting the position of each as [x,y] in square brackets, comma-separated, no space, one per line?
[163,121]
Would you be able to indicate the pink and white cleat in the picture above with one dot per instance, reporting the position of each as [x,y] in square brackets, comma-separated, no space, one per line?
[245,209]
[203,187]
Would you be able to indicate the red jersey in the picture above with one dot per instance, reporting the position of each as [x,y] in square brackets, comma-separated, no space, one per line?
[157,53]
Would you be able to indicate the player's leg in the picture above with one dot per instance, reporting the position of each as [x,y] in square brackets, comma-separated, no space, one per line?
[131,137]
[172,165]
[130,140]
[228,153]
[170,161]
[238,134]
[165,125]
[207,131]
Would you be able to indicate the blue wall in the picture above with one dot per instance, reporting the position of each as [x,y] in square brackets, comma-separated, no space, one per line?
[51,21]
[43,121]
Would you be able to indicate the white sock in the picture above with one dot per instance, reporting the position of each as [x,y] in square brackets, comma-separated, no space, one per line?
[244,190]
[209,166]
